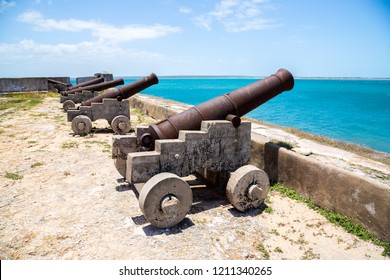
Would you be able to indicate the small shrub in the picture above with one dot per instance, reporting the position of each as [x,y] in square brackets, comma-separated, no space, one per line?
[260,247]
[13,176]
[278,250]
[36,164]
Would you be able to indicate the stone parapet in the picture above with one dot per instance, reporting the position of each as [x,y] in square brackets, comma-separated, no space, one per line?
[9,85]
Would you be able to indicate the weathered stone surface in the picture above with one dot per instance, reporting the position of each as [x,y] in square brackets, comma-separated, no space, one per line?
[218,147]
[28,84]
[79,97]
[107,77]
[108,110]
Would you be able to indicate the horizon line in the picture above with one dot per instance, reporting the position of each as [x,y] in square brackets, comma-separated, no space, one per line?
[260,76]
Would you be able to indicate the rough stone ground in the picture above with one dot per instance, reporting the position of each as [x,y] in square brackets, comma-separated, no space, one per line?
[69,204]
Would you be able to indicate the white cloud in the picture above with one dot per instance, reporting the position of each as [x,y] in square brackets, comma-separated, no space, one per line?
[133,32]
[107,47]
[74,59]
[4,5]
[204,21]
[224,9]
[85,49]
[185,10]
[238,16]
[101,31]
[40,23]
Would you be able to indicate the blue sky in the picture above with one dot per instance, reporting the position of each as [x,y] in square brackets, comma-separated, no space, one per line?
[311,38]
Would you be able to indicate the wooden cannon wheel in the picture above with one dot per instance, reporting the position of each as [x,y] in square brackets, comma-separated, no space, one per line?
[120,124]
[81,125]
[247,187]
[120,165]
[68,105]
[165,200]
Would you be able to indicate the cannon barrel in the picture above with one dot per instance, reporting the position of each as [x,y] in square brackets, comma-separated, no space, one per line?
[227,106]
[97,87]
[57,82]
[94,81]
[58,85]
[125,91]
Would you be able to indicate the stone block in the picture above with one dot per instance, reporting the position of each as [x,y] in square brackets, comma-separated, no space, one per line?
[219,147]
[108,110]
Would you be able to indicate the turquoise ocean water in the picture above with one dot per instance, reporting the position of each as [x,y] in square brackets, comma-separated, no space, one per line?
[356,111]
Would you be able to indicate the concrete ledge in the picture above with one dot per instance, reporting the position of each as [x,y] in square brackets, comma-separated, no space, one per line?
[28,84]
[160,110]
[107,77]
[362,199]
[40,83]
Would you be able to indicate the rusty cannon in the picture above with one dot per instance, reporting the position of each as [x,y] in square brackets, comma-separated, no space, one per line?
[208,140]
[77,95]
[58,85]
[97,80]
[125,91]
[230,106]
[96,87]
[62,87]
[112,105]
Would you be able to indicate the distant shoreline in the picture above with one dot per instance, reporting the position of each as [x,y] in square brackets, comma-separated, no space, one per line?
[340,78]
[251,77]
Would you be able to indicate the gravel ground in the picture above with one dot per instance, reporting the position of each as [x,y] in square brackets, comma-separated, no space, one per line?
[69,202]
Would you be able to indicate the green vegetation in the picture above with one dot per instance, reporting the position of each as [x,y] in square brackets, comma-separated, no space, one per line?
[106,146]
[309,255]
[278,250]
[36,164]
[13,176]
[70,144]
[58,118]
[38,115]
[336,218]
[200,221]
[268,210]
[52,94]
[21,101]
[260,247]
[140,114]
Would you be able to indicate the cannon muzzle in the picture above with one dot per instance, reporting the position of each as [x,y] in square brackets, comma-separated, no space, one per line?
[97,80]
[227,106]
[96,87]
[125,91]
